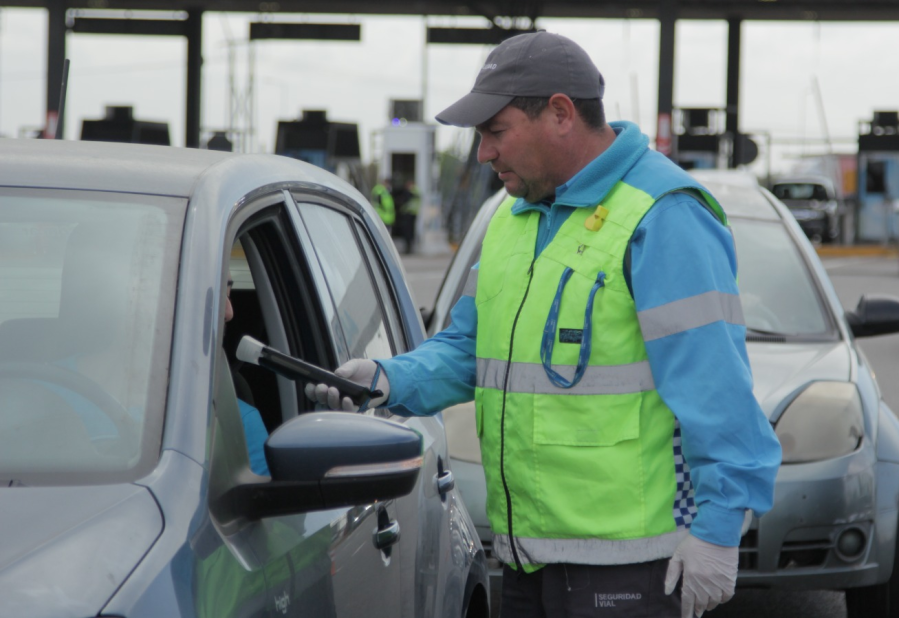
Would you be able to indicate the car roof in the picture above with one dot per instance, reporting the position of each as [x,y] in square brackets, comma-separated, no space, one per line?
[739,193]
[725,176]
[152,170]
[103,166]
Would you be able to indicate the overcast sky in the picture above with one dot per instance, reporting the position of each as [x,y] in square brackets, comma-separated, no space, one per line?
[854,65]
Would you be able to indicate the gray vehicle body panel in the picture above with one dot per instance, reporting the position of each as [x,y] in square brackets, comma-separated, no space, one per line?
[106,530]
[89,558]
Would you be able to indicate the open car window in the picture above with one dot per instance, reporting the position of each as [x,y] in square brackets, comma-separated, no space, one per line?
[275,301]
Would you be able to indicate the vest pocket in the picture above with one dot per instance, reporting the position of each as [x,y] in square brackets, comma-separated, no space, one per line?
[583,420]
[489,285]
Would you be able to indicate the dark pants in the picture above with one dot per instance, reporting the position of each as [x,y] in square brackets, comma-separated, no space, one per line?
[578,590]
[405,229]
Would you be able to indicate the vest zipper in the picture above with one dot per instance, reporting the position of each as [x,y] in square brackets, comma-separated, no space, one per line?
[502,429]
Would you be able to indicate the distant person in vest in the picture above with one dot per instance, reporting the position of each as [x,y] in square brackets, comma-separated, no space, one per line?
[382,200]
[604,347]
[408,202]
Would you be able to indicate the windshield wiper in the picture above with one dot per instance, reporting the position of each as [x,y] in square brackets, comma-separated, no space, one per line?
[757,332]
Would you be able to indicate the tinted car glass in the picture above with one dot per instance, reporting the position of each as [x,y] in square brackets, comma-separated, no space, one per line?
[800,191]
[358,308]
[382,283]
[85,323]
[776,288]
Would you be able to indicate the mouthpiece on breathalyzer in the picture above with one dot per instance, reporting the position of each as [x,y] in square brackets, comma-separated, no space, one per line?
[249,350]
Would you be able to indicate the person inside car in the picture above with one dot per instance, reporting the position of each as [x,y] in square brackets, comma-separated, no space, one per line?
[254,429]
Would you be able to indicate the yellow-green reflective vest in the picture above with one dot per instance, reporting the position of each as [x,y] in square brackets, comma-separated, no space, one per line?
[383,203]
[584,474]
[413,205]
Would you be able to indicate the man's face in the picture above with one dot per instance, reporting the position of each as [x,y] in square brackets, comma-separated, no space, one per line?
[517,147]
[229,310]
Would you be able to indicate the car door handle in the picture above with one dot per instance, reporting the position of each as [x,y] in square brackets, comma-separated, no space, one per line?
[445,482]
[387,535]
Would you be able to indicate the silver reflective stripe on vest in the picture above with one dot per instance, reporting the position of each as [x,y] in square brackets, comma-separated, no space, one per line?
[693,312]
[587,551]
[597,380]
[471,283]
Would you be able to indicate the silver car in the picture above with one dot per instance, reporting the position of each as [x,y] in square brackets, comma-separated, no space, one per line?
[145,471]
[834,520]
[813,201]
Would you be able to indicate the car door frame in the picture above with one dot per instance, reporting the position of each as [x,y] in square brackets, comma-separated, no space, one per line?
[426,514]
[382,515]
[278,540]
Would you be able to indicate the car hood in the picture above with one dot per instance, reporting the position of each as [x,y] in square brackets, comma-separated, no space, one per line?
[65,550]
[778,369]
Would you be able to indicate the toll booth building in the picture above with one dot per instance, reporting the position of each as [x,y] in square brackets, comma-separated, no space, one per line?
[697,135]
[120,125]
[313,138]
[408,147]
[878,178]
[408,152]
[702,141]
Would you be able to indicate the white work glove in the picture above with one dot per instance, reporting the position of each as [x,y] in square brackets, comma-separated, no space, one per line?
[710,574]
[359,370]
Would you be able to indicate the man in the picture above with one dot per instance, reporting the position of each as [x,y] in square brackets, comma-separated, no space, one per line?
[253,427]
[604,346]
[382,200]
[408,204]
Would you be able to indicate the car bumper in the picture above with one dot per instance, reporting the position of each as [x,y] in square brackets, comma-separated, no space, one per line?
[795,546]
[822,512]
[812,222]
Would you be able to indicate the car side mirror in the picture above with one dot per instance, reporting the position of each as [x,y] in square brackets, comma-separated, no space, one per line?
[876,314]
[325,460]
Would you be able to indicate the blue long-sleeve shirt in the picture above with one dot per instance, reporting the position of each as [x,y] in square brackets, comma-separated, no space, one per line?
[255,434]
[679,250]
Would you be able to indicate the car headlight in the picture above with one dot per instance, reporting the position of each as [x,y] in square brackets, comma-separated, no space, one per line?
[823,422]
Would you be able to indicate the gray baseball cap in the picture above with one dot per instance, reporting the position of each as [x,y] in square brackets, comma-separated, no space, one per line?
[536,64]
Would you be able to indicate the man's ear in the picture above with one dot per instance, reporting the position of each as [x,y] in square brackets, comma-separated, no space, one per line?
[562,113]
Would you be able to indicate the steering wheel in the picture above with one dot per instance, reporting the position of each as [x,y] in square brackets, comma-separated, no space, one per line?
[77,383]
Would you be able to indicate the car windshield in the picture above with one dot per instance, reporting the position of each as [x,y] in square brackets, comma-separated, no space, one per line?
[776,287]
[800,191]
[87,284]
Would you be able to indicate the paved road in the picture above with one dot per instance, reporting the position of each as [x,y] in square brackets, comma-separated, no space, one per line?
[852,277]
[425,274]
